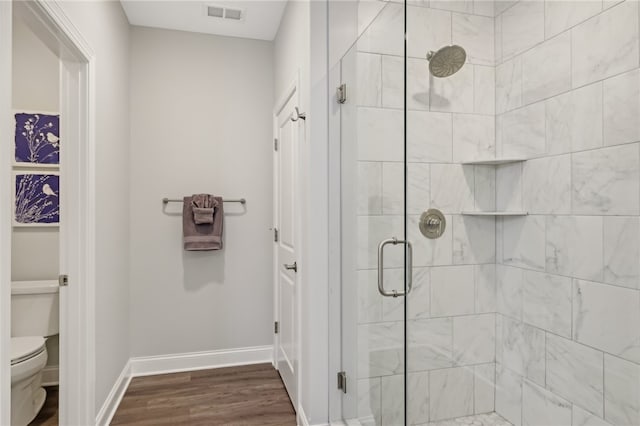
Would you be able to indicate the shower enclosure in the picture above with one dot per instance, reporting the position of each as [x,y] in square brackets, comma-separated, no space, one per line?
[489,168]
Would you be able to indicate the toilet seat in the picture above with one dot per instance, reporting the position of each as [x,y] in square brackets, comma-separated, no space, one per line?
[25,348]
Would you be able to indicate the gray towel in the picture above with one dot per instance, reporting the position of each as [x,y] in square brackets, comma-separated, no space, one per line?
[203,208]
[206,236]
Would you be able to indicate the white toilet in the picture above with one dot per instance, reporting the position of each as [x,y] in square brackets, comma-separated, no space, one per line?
[34,317]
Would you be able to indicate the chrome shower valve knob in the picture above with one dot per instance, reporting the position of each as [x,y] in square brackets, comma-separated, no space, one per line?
[432,224]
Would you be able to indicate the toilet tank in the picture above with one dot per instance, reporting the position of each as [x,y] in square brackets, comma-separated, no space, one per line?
[35,308]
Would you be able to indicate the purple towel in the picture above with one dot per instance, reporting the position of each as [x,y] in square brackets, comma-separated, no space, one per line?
[203,208]
[206,236]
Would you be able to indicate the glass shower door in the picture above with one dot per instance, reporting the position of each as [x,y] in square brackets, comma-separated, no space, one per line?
[486,129]
[418,276]
[376,257]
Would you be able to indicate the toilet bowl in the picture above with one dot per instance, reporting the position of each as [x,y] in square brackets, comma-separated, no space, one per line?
[28,359]
[34,317]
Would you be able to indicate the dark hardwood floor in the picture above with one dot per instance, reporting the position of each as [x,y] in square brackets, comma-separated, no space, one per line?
[48,416]
[247,395]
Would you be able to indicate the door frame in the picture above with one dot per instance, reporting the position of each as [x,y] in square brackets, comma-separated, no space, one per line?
[5,211]
[77,230]
[292,90]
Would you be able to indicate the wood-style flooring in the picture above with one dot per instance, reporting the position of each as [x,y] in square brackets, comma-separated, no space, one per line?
[48,416]
[247,395]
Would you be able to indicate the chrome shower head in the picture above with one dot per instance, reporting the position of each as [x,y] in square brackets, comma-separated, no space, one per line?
[446,61]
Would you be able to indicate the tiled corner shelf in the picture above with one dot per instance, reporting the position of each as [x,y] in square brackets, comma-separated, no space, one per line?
[516,213]
[494,161]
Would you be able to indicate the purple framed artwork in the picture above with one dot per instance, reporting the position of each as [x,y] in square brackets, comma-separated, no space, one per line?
[37,139]
[36,199]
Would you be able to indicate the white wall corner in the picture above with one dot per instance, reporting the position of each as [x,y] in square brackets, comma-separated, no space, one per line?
[108,409]
[174,363]
[315,306]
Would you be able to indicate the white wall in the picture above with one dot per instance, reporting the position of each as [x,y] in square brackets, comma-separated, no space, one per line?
[35,88]
[105,27]
[317,378]
[291,47]
[201,122]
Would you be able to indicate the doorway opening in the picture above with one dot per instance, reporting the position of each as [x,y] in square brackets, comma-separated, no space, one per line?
[47,174]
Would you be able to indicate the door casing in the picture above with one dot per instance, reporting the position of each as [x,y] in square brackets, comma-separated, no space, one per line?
[77,231]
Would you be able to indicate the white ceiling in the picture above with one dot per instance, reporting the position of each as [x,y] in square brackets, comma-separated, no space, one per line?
[261,18]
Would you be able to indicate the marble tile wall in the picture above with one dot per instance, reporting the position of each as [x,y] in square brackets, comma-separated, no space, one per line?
[568,274]
[535,317]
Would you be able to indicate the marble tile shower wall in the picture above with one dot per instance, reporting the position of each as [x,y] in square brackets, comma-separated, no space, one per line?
[568,274]
[452,307]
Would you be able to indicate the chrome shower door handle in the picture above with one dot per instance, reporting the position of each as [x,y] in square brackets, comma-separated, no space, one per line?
[409,266]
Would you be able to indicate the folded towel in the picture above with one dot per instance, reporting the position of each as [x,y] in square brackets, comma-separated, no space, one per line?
[203,208]
[202,215]
[207,236]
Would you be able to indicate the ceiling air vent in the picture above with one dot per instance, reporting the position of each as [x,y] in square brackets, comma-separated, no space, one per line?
[224,12]
[215,11]
[233,14]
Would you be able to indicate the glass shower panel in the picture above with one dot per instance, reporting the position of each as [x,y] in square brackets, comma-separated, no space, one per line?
[373,211]
[510,128]
[451,320]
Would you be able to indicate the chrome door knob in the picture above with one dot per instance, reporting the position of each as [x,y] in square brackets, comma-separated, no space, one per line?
[293,267]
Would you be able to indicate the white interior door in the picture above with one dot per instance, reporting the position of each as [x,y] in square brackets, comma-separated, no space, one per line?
[286,267]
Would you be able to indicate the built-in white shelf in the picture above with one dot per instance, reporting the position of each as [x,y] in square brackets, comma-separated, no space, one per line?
[494,161]
[516,213]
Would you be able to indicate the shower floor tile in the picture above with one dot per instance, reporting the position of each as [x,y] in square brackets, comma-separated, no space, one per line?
[492,419]
[489,419]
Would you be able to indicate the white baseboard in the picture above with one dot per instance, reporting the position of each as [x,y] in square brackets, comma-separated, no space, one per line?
[106,413]
[174,363]
[303,420]
[50,376]
[302,417]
